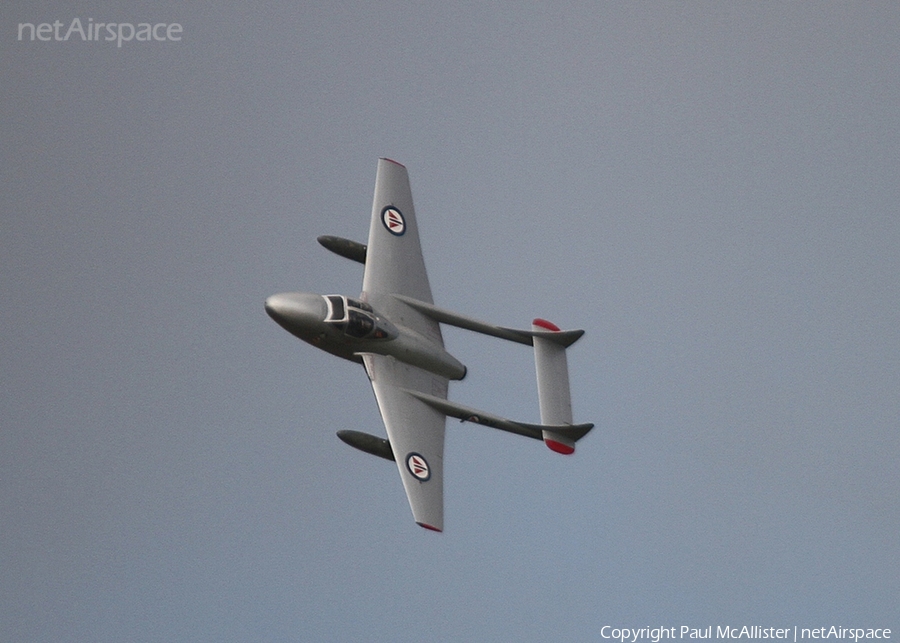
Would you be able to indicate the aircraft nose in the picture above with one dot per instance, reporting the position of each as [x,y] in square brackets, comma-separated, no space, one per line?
[278,305]
[296,309]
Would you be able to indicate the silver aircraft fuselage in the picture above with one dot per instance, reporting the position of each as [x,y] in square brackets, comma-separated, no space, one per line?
[350,328]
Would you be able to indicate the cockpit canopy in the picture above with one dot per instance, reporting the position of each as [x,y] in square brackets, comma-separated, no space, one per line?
[357,318]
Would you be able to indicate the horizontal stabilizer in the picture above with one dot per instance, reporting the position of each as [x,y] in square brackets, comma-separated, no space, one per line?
[442,315]
[368,443]
[569,432]
[553,388]
[345,247]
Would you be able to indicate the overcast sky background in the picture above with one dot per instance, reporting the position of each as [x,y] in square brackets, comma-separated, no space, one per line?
[709,189]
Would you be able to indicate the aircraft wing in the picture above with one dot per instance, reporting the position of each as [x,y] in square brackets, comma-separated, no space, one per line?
[394,263]
[394,266]
[415,431]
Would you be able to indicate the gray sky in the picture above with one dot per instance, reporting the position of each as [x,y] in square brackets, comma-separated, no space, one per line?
[710,190]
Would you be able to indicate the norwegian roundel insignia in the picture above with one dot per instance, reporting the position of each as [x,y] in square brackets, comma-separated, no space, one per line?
[418,466]
[393,221]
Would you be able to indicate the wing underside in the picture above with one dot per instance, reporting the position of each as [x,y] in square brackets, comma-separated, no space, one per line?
[415,431]
[395,266]
[394,262]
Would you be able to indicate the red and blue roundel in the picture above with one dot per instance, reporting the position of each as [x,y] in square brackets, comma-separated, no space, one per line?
[418,466]
[393,221]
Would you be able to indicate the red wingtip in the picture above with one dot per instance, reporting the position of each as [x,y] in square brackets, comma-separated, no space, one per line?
[393,161]
[427,526]
[543,323]
[559,447]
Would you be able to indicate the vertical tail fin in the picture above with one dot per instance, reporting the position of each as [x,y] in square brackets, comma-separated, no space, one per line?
[553,385]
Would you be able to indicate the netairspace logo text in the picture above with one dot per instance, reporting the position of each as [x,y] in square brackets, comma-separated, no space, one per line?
[756,632]
[96,31]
